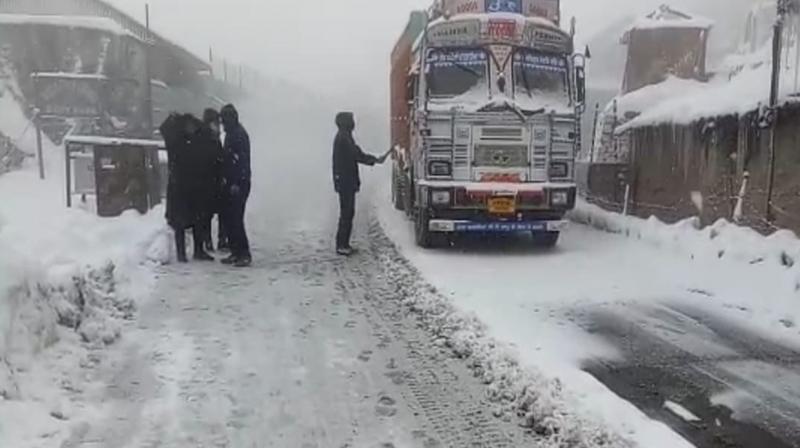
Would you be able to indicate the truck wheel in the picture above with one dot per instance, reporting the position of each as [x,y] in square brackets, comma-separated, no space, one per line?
[408,195]
[422,229]
[398,189]
[547,240]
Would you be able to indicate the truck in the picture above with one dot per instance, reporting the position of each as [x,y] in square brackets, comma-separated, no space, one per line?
[486,100]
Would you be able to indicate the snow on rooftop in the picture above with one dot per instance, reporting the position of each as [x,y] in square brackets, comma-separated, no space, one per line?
[84,22]
[681,101]
[666,17]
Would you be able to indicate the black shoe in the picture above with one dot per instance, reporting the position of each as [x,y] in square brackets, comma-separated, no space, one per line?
[230,260]
[243,262]
[202,256]
[344,251]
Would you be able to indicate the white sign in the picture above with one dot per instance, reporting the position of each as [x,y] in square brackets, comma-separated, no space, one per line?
[455,7]
[456,33]
[548,9]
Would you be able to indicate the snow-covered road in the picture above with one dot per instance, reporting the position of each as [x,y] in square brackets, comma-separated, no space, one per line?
[659,326]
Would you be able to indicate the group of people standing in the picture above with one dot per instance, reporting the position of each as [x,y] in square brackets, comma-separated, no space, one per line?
[208,177]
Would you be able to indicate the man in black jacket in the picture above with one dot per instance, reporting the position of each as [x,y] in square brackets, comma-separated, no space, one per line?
[347,155]
[237,176]
[193,157]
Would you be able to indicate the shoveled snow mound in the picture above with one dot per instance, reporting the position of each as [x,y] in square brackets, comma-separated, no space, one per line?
[68,279]
[540,402]
[770,265]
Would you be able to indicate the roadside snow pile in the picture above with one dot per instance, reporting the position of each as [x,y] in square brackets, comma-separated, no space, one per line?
[540,402]
[722,240]
[68,279]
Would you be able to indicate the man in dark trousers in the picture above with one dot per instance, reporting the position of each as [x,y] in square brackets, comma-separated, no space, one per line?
[193,158]
[347,155]
[211,119]
[237,177]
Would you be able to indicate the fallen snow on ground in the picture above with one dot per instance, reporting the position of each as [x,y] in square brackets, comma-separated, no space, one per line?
[769,265]
[67,280]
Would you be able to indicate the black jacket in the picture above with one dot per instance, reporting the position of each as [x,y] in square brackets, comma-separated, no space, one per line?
[236,167]
[193,170]
[346,157]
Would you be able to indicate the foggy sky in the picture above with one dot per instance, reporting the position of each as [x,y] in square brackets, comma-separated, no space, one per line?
[340,47]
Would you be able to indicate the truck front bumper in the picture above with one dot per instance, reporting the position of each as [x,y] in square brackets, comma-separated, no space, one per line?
[460,226]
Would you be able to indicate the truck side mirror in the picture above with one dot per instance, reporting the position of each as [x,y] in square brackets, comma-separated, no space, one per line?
[580,85]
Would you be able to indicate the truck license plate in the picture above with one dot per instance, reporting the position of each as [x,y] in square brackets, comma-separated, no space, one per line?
[502,206]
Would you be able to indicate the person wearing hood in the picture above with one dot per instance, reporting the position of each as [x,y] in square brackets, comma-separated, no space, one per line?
[211,119]
[192,162]
[237,178]
[347,155]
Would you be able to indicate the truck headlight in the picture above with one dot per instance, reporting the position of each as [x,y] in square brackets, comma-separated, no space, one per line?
[440,168]
[440,197]
[559,198]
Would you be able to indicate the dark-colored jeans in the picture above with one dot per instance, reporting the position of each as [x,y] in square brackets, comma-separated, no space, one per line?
[347,211]
[234,221]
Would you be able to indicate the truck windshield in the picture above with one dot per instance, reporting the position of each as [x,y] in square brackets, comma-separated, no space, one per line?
[540,76]
[452,73]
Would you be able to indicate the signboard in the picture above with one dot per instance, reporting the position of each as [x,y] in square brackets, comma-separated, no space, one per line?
[541,38]
[455,33]
[549,9]
[69,96]
[512,6]
[455,7]
[501,55]
[501,30]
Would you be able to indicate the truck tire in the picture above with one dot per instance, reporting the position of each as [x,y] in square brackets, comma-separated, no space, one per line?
[546,240]
[422,229]
[408,194]
[398,190]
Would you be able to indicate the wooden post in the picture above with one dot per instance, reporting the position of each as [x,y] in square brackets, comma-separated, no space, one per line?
[594,131]
[37,123]
[148,89]
[773,106]
[39,150]
[68,174]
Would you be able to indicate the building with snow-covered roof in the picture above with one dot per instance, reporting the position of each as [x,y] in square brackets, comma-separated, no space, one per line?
[666,42]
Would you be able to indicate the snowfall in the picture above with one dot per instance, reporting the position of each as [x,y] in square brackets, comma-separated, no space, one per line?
[72,287]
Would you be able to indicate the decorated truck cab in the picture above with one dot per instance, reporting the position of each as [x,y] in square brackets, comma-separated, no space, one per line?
[486,100]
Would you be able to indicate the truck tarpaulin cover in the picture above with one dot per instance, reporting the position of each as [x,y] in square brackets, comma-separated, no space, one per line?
[548,9]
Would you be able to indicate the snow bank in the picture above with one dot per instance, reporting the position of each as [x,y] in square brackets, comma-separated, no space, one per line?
[722,240]
[68,279]
[756,278]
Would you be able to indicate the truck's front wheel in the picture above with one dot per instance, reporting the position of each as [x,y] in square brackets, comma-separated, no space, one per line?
[398,189]
[422,229]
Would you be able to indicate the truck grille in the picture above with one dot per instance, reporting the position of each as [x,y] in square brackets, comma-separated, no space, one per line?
[502,156]
[506,134]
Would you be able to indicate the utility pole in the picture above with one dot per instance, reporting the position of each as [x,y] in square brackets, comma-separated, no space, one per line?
[148,85]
